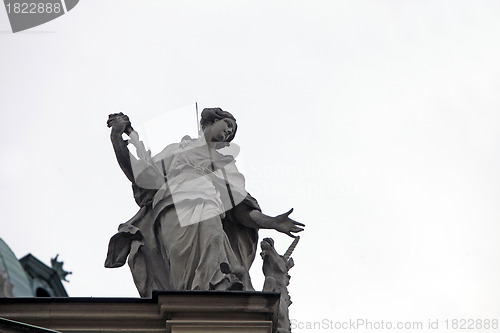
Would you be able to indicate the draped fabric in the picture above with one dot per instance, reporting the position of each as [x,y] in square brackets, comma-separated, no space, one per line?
[185,227]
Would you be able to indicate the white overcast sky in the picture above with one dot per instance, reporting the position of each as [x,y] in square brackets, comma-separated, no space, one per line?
[377,121]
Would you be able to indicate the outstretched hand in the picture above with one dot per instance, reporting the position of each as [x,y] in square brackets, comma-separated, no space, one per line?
[283,223]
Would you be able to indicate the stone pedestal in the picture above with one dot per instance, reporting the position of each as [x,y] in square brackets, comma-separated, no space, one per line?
[226,312]
[218,326]
[165,312]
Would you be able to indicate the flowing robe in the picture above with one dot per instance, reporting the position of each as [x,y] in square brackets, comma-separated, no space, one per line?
[188,222]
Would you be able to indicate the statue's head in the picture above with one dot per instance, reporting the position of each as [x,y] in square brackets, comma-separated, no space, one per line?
[221,124]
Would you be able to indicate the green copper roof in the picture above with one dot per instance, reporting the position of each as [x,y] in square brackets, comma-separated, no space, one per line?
[16,274]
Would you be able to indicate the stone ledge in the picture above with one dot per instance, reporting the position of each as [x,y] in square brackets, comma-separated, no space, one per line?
[136,315]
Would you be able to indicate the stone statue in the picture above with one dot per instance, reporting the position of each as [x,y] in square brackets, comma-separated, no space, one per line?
[197,227]
[275,268]
[6,286]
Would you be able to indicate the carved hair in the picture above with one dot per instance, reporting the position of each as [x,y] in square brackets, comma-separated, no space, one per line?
[211,115]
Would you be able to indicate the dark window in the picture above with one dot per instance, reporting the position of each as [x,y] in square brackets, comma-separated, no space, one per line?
[40,292]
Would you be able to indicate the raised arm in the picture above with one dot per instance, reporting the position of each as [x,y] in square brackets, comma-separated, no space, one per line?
[142,172]
[120,124]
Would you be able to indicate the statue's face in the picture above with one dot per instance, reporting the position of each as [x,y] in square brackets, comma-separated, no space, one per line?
[222,129]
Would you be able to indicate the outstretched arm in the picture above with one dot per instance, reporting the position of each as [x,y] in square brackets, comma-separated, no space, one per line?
[254,218]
